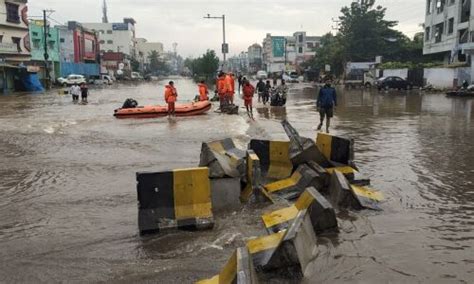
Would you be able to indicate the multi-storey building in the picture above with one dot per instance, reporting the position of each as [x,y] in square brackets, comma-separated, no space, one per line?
[116,37]
[37,41]
[14,40]
[144,49]
[255,53]
[449,31]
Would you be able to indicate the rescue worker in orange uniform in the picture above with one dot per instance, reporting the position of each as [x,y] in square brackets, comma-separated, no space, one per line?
[230,87]
[171,96]
[203,91]
[220,85]
[248,91]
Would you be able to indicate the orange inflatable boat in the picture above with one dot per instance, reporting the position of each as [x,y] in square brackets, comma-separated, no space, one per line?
[188,109]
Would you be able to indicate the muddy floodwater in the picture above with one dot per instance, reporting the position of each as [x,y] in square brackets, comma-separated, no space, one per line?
[68,205]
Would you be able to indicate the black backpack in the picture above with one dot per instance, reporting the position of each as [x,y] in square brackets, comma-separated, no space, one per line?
[130,103]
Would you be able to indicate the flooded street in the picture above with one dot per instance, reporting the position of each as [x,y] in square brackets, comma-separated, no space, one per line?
[68,204]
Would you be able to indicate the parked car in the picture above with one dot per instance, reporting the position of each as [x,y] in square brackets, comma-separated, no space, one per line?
[291,77]
[136,76]
[71,80]
[393,82]
[262,75]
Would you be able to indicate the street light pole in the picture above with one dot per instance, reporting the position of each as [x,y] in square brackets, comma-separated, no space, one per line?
[224,44]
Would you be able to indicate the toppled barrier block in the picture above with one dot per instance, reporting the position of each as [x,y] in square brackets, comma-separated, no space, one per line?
[223,159]
[321,213]
[292,187]
[239,270]
[353,175]
[302,149]
[274,157]
[174,199]
[367,197]
[287,253]
[230,109]
[253,179]
[336,149]
[225,193]
[357,197]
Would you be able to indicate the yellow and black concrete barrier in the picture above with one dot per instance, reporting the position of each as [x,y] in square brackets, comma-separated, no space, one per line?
[336,149]
[274,158]
[286,253]
[223,159]
[238,270]
[253,177]
[175,199]
[291,188]
[321,212]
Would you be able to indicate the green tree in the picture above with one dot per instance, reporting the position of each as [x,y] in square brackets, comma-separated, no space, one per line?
[205,66]
[135,65]
[156,63]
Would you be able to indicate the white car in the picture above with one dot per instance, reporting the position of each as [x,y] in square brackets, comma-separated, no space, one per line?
[71,80]
[262,75]
[291,77]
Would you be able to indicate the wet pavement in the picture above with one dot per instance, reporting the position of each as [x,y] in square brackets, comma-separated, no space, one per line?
[68,208]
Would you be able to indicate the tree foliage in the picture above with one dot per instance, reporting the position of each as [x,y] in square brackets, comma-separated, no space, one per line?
[204,66]
[156,63]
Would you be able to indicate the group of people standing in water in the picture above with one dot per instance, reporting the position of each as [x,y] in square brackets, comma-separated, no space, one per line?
[77,90]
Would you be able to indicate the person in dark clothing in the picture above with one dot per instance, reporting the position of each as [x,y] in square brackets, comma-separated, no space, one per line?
[241,81]
[266,93]
[326,102]
[84,93]
[260,89]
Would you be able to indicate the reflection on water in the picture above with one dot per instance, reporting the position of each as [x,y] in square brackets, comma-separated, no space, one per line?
[68,201]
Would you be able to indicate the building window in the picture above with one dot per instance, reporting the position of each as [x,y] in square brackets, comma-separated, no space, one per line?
[440,6]
[109,32]
[51,44]
[452,2]
[17,41]
[1,38]
[35,34]
[300,38]
[102,41]
[429,7]
[110,42]
[427,34]
[300,49]
[12,13]
[36,43]
[438,32]
[451,26]
[61,40]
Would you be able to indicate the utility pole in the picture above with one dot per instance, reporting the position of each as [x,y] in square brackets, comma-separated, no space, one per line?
[225,46]
[46,55]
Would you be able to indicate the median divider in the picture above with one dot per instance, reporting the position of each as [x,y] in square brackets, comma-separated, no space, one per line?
[253,177]
[274,157]
[239,269]
[223,159]
[353,175]
[336,149]
[174,199]
[322,214]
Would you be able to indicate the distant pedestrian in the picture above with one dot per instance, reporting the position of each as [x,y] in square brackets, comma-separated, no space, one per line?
[248,91]
[75,91]
[260,89]
[84,92]
[326,102]
[275,80]
[203,91]
[171,96]
[267,92]
[241,81]
[283,90]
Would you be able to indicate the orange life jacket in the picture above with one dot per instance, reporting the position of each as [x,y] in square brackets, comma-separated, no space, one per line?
[203,91]
[221,85]
[170,94]
[248,91]
[229,84]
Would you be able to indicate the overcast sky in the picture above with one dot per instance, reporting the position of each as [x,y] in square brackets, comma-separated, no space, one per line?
[248,21]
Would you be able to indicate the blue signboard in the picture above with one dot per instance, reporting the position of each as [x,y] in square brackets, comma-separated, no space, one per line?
[120,27]
[278,46]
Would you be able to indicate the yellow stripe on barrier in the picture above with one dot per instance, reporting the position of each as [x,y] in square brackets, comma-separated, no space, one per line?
[304,201]
[280,216]
[344,170]
[367,193]
[265,243]
[227,275]
[324,143]
[280,163]
[216,146]
[282,184]
[192,193]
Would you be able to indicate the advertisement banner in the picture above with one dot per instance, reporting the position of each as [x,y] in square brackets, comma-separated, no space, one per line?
[278,46]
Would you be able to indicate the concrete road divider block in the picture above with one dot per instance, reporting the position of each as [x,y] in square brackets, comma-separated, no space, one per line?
[341,192]
[322,214]
[336,149]
[225,193]
[253,176]
[292,187]
[274,158]
[367,197]
[353,175]
[174,199]
[223,159]
[238,270]
[302,149]
[287,253]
